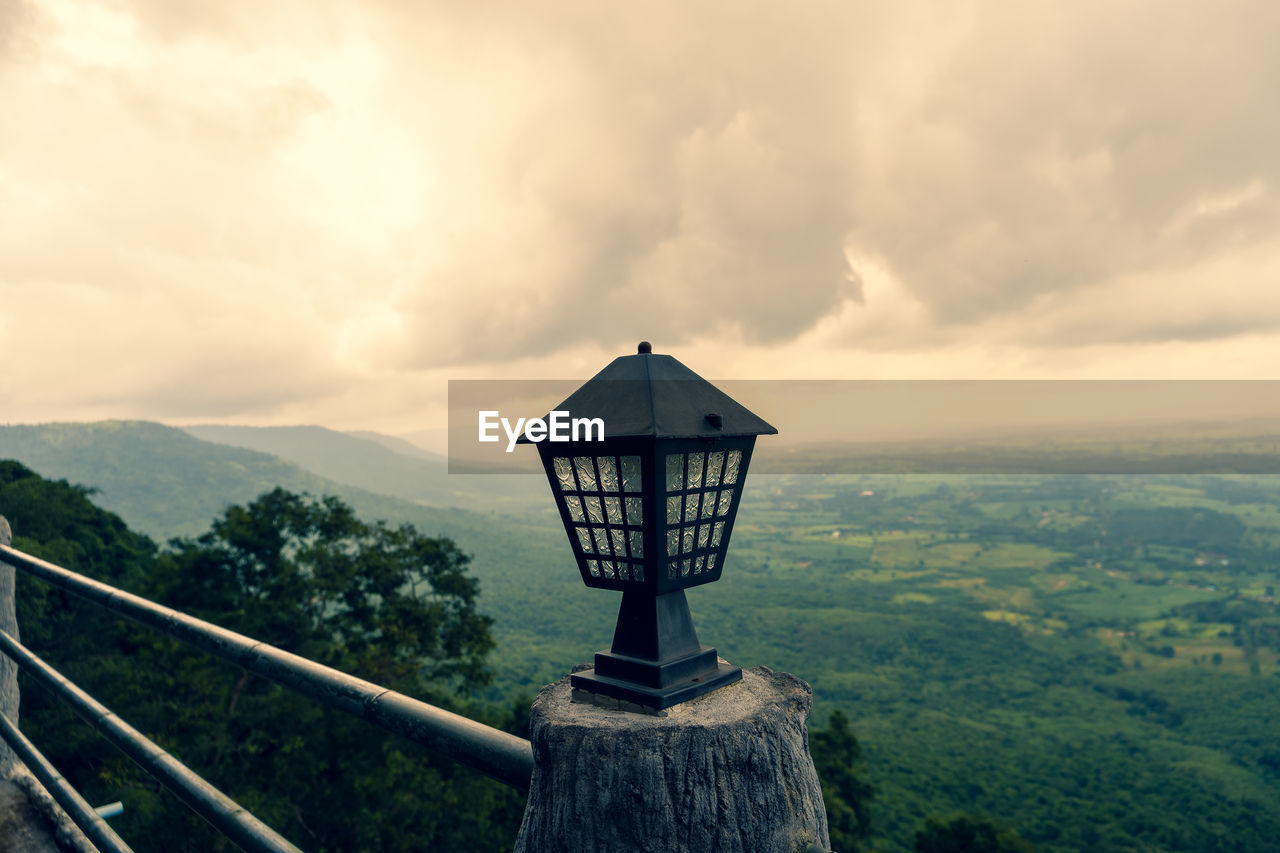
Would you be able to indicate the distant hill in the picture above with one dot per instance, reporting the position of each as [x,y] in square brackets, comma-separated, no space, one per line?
[400,445]
[381,464]
[161,480]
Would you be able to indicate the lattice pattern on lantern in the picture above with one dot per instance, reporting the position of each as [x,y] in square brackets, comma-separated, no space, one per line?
[700,490]
[602,495]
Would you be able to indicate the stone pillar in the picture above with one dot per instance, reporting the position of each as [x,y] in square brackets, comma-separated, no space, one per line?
[729,771]
[8,669]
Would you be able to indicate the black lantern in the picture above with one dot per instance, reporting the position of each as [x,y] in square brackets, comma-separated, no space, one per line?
[649,509]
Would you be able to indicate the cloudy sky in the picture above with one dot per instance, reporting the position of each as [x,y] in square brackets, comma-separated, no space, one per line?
[316,211]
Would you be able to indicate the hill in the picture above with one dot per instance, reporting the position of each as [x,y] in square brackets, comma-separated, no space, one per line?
[381,464]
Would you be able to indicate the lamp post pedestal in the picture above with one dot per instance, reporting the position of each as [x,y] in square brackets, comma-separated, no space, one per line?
[656,660]
[726,771]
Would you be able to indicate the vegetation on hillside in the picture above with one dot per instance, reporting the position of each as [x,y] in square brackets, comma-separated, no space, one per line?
[1090,662]
[386,604]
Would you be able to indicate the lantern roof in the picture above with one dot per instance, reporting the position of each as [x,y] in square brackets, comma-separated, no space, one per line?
[653,395]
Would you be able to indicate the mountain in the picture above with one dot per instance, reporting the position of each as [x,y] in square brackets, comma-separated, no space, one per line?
[399,444]
[161,480]
[381,464]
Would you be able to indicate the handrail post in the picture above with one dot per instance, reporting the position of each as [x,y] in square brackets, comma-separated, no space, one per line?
[8,669]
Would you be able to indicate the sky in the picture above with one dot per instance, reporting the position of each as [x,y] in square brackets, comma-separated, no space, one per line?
[316,211]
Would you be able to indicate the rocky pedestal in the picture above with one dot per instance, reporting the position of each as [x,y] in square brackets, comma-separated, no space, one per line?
[728,771]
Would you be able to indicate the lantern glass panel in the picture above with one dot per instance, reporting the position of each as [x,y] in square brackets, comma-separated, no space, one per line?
[608,474]
[693,471]
[606,523]
[701,488]
[586,473]
[715,463]
[675,472]
[731,468]
[564,474]
[613,510]
[631,473]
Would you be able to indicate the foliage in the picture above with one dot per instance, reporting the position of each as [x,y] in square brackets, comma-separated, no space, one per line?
[964,834]
[308,576]
[387,604]
[836,752]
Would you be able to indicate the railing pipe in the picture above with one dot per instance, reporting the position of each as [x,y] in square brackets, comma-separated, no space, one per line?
[77,808]
[495,753]
[222,812]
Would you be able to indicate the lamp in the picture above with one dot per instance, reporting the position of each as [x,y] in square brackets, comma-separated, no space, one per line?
[648,510]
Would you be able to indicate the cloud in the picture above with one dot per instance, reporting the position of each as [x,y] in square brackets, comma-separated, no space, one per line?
[1051,148]
[679,173]
[362,194]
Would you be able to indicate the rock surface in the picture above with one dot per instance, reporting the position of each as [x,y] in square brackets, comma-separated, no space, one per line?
[8,669]
[728,771]
[30,820]
[22,826]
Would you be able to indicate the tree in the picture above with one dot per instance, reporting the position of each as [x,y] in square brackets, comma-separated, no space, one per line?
[964,834]
[386,604]
[835,752]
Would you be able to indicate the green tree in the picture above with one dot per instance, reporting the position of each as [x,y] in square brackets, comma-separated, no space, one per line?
[964,834]
[836,752]
[307,575]
[386,604]
[56,521]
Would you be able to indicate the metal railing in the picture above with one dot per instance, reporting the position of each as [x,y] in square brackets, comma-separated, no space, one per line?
[223,813]
[497,754]
[84,815]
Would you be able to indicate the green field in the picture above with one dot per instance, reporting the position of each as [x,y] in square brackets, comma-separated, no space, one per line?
[1092,661]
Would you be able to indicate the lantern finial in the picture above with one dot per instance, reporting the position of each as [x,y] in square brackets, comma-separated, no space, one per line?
[644,347]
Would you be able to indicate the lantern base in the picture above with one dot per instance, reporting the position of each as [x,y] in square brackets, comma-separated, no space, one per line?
[651,684]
